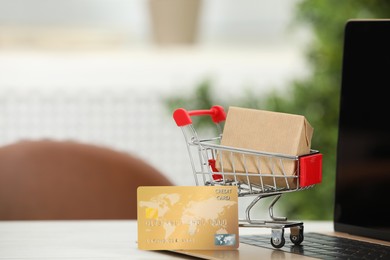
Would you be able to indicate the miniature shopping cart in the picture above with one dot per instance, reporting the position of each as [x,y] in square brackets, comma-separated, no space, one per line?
[208,158]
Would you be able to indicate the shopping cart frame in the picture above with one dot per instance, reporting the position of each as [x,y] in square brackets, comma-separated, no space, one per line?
[207,156]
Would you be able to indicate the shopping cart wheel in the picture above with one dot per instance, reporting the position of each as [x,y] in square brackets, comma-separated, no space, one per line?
[296,239]
[296,235]
[277,238]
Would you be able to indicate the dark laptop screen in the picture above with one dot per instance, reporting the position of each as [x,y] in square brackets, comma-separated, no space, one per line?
[363,154]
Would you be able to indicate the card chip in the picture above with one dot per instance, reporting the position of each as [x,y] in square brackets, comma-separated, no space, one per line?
[151,213]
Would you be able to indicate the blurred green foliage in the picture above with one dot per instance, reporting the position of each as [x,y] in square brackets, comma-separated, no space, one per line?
[316,96]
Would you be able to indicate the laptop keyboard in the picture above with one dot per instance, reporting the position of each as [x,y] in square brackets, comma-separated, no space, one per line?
[324,247]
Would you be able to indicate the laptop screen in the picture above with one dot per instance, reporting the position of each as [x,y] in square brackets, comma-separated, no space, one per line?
[363,152]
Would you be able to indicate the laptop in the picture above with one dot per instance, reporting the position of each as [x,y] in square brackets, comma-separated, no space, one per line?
[363,161]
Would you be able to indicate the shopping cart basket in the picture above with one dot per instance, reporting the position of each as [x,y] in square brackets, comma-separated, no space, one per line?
[207,156]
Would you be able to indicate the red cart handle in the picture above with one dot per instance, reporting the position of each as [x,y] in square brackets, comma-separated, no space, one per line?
[183,117]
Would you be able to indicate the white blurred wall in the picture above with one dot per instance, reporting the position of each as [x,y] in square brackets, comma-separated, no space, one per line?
[104,83]
[221,21]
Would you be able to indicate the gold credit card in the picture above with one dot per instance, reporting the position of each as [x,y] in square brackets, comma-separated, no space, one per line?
[187,217]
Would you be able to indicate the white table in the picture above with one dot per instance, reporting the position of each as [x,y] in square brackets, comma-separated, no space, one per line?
[100,239]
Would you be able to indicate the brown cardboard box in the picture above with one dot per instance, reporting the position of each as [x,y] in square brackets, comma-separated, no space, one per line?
[265,131]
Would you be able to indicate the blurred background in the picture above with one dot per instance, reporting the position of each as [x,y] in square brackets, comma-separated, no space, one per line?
[111,72]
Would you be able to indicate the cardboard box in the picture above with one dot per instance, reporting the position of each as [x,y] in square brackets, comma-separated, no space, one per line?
[265,131]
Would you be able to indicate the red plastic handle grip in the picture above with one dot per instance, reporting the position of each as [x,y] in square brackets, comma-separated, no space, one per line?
[183,117]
